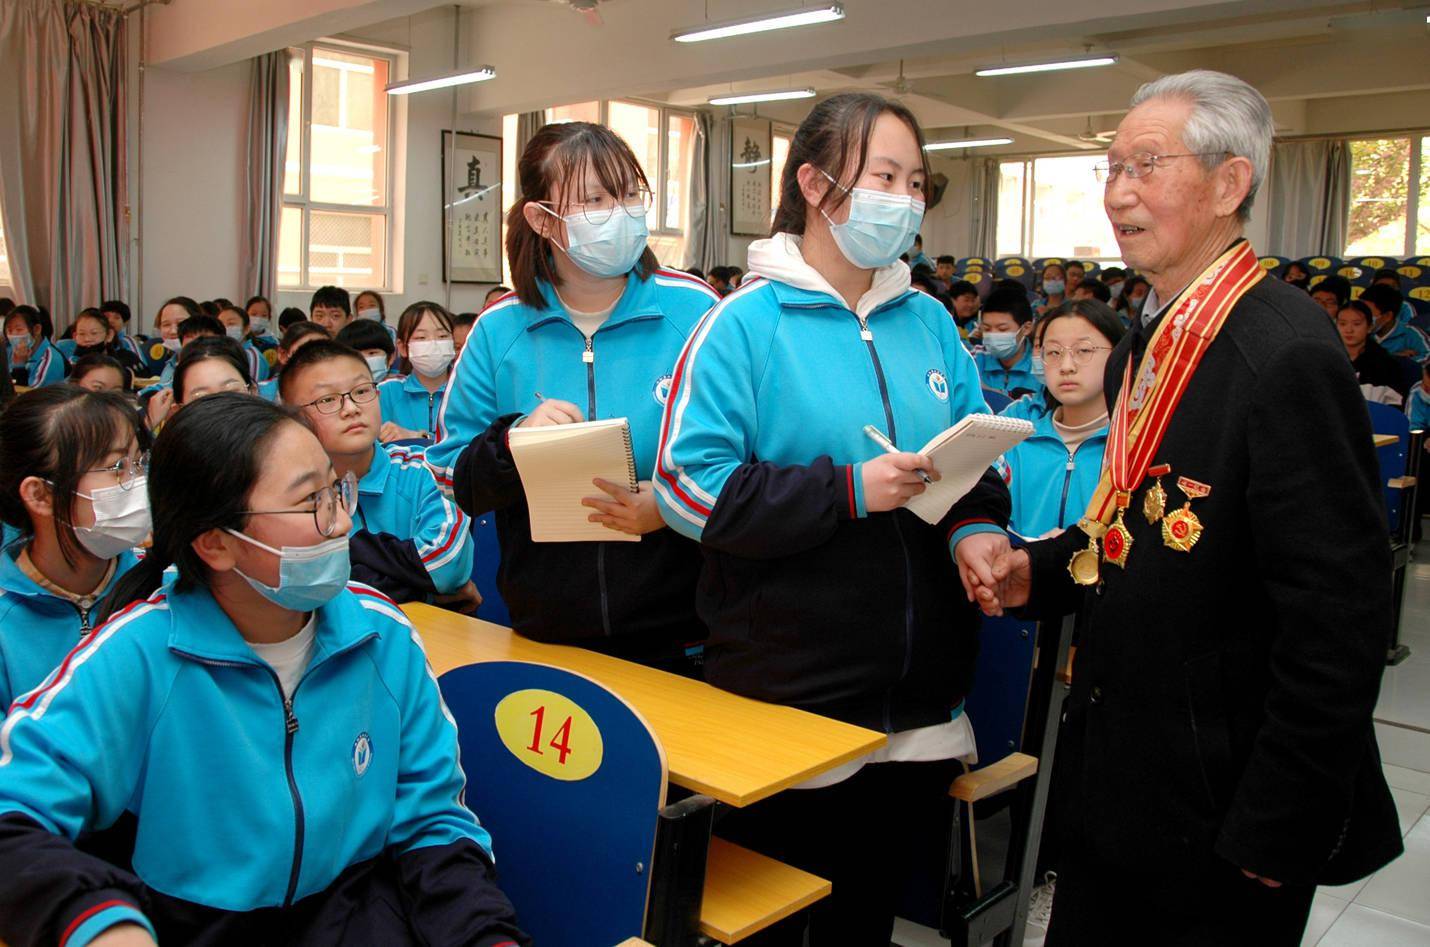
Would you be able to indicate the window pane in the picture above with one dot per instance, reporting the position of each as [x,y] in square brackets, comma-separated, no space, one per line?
[1422,227]
[640,127]
[580,112]
[779,154]
[1068,217]
[1380,180]
[347,250]
[349,130]
[293,163]
[290,247]
[4,262]
[680,147]
[1011,178]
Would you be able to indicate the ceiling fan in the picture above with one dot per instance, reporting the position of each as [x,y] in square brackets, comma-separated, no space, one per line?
[586,8]
[902,86]
[1098,138]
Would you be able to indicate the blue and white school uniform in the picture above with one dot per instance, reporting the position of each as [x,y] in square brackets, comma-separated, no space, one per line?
[1051,485]
[407,403]
[399,495]
[1019,378]
[46,365]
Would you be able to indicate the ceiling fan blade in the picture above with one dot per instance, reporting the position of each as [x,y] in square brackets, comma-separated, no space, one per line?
[593,16]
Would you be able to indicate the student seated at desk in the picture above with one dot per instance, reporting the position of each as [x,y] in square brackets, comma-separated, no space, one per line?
[100,373]
[331,308]
[72,487]
[371,340]
[261,331]
[236,326]
[34,361]
[819,589]
[298,334]
[369,307]
[94,336]
[1399,339]
[595,326]
[158,353]
[118,314]
[206,366]
[1374,366]
[1005,355]
[261,744]
[1054,472]
[408,539]
[426,351]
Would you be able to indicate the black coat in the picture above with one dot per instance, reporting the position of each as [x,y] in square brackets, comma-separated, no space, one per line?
[1222,698]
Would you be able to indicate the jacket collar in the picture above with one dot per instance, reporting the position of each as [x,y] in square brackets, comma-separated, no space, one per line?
[14,581]
[375,480]
[200,629]
[638,301]
[795,283]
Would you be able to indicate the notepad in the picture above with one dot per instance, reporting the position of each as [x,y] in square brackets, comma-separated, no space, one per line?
[961,454]
[557,464]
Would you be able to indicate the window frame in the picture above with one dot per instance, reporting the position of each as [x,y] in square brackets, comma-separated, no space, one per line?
[1415,169]
[303,200]
[1030,190]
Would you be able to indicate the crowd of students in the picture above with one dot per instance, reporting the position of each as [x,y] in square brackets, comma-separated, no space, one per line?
[199,578]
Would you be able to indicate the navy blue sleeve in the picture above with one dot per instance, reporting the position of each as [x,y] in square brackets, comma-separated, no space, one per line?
[391,565]
[450,896]
[485,477]
[768,511]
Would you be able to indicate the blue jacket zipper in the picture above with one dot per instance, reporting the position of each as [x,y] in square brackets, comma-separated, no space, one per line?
[589,357]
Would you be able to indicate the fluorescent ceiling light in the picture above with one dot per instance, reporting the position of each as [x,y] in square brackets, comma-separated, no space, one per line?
[1055,66]
[967,143]
[742,98]
[460,77]
[803,16]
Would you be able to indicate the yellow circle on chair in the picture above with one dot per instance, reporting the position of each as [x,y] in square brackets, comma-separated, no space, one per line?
[550,733]
[156,351]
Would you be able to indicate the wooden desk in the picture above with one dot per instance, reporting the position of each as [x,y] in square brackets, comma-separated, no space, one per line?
[732,748]
[1384,440]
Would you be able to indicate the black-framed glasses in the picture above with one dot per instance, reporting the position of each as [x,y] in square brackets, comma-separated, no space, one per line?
[1142,164]
[1081,355]
[365,393]
[126,470]
[326,502]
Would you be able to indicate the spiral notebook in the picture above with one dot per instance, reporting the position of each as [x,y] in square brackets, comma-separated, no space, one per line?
[961,454]
[557,464]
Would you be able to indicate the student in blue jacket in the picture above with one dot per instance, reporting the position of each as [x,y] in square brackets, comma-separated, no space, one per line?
[1004,355]
[34,361]
[160,352]
[1399,339]
[591,332]
[261,330]
[117,312]
[408,540]
[1054,472]
[371,341]
[259,743]
[297,335]
[236,324]
[820,591]
[424,344]
[72,487]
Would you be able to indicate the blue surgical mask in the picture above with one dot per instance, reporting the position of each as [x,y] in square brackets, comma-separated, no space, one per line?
[308,576]
[1001,344]
[377,364]
[609,249]
[880,227]
[259,326]
[234,332]
[1038,371]
[1054,287]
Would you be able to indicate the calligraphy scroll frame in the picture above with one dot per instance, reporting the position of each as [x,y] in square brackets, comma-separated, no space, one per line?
[476,210]
[750,149]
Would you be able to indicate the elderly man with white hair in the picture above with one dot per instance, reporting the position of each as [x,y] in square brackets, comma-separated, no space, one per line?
[1232,572]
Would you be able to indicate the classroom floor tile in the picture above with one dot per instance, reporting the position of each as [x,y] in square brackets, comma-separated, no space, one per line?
[1400,887]
[1325,911]
[1363,927]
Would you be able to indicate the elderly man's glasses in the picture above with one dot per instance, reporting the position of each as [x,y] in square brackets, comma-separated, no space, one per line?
[1142,164]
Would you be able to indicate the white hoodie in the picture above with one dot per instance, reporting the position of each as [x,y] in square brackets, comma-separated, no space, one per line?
[779,258]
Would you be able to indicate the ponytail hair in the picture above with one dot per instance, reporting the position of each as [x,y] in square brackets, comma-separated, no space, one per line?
[201,472]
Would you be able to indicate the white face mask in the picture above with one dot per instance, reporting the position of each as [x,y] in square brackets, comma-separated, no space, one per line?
[234,332]
[373,314]
[173,345]
[121,519]
[17,340]
[432,357]
[259,326]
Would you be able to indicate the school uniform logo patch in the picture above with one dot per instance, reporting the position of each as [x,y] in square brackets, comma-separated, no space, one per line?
[362,753]
[661,391]
[937,383]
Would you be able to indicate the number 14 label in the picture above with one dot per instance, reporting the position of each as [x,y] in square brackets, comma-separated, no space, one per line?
[550,733]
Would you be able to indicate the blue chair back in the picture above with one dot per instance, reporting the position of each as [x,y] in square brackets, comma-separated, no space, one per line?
[1322,264]
[996,399]
[1274,265]
[1387,419]
[568,779]
[1374,263]
[998,701]
[486,561]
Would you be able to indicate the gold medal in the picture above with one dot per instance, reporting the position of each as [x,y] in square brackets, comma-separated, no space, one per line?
[1154,502]
[1083,566]
[1181,529]
[1117,544]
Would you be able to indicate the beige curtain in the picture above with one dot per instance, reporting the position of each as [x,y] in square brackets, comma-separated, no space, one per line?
[267,154]
[705,244]
[1310,198]
[62,155]
[983,220]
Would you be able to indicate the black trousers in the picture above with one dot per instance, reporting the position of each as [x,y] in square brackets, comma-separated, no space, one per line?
[864,835]
[1205,903]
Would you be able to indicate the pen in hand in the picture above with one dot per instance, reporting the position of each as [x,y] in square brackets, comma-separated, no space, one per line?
[877,436]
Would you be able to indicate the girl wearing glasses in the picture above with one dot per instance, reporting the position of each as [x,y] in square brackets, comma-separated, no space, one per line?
[820,590]
[407,539]
[590,332]
[265,740]
[1055,472]
[424,343]
[72,486]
